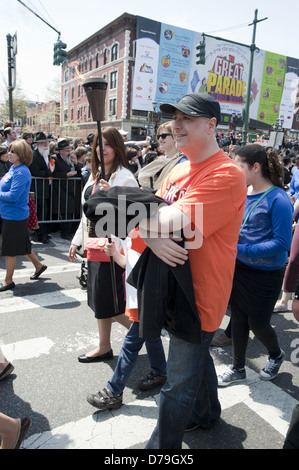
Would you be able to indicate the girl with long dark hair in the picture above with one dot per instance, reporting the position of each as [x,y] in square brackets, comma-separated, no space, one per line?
[99,286]
[264,240]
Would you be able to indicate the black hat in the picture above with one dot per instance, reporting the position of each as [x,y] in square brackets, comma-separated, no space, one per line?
[90,138]
[40,137]
[63,144]
[195,104]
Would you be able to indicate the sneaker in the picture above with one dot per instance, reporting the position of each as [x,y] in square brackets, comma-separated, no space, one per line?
[230,375]
[271,368]
[221,340]
[105,400]
[279,308]
[152,380]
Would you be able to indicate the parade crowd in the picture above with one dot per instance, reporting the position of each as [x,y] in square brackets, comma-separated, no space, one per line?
[248,256]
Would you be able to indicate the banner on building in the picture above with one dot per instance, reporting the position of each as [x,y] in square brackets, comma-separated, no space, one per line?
[166,69]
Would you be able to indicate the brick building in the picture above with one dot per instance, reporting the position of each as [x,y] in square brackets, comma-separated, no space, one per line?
[43,117]
[108,54]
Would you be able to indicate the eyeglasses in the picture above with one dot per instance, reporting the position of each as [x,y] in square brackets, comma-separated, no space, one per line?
[163,136]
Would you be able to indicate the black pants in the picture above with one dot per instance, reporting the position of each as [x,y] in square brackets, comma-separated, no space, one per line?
[253,297]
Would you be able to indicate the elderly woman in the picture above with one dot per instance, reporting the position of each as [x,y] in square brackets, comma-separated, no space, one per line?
[14,211]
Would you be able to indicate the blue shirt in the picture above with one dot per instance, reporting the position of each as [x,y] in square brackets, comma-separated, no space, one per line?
[267,234]
[14,193]
[294,185]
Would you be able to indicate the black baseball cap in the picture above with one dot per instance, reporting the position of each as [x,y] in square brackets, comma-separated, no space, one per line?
[195,104]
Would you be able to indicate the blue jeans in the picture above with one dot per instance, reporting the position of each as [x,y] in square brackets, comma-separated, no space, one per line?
[189,394]
[128,357]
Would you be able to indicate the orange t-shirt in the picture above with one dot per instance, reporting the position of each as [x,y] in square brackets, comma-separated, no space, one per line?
[219,185]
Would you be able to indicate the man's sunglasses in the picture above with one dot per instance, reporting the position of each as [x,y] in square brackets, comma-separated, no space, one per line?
[163,136]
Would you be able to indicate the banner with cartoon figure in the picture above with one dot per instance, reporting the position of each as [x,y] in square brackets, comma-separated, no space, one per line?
[224,74]
[271,87]
[175,60]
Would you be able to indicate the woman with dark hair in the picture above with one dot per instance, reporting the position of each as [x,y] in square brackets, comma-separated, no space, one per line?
[99,286]
[264,240]
[14,210]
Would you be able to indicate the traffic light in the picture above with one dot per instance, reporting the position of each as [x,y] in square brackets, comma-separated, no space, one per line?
[59,52]
[201,47]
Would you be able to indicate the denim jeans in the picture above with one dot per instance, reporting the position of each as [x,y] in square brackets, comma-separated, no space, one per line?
[128,357]
[189,394]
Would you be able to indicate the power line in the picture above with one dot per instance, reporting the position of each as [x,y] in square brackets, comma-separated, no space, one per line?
[229,29]
[53,22]
[42,19]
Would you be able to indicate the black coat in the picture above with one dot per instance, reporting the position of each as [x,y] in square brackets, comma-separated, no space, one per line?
[68,190]
[165,294]
[4,168]
[39,168]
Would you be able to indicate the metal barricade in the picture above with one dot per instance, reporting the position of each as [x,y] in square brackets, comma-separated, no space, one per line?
[57,199]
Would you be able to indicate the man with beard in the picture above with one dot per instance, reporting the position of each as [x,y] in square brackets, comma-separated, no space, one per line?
[41,168]
[67,192]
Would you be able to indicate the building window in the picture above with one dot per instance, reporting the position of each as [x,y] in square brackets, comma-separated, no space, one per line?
[105,56]
[73,93]
[65,115]
[79,90]
[90,64]
[112,107]
[66,75]
[72,114]
[113,80]
[97,60]
[66,96]
[114,52]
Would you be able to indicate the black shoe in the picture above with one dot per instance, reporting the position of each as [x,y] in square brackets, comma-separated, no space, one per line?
[38,273]
[7,371]
[7,287]
[152,380]
[99,358]
[42,238]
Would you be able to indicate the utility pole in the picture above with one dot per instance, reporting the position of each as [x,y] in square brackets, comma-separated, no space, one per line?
[11,53]
[247,104]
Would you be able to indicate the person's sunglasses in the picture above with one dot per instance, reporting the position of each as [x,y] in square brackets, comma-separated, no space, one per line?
[163,136]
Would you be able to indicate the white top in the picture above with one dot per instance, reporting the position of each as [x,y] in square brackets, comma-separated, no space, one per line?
[122,177]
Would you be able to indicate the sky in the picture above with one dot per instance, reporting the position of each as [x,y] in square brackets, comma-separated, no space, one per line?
[77,20]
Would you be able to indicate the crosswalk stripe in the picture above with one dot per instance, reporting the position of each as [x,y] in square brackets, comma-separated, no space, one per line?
[52,270]
[27,349]
[15,304]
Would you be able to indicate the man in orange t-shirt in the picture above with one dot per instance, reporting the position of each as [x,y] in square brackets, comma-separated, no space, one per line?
[208,195]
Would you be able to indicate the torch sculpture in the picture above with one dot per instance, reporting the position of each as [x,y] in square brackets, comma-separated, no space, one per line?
[95,89]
